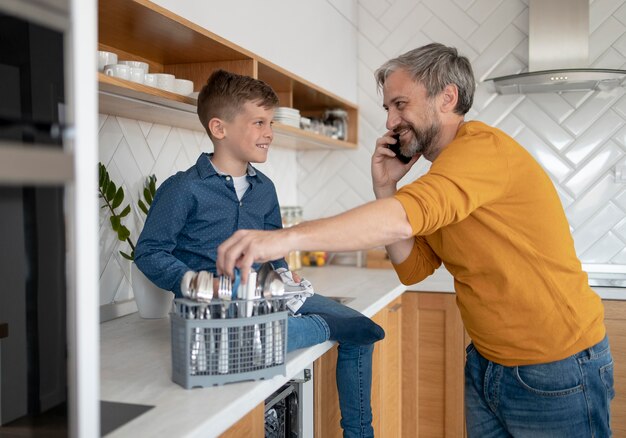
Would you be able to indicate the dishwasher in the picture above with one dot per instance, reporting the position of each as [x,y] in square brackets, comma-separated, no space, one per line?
[289,410]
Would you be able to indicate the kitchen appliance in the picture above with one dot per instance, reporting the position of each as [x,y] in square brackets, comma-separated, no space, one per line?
[558,52]
[34,171]
[289,410]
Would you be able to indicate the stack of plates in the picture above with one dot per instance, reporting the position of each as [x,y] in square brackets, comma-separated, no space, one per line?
[287,116]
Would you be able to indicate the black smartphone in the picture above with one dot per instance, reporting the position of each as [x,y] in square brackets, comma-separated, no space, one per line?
[396,149]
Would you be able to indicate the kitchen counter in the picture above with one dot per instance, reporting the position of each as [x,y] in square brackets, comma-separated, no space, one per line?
[136,361]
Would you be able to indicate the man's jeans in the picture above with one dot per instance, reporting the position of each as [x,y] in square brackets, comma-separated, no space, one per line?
[354,362]
[567,398]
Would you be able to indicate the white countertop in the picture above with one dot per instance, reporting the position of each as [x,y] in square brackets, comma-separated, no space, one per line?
[136,359]
[136,363]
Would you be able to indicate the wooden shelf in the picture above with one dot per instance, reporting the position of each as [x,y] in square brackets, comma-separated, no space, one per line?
[141,30]
[136,101]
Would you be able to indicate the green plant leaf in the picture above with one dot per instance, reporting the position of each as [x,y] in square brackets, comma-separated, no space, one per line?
[142,206]
[123,233]
[147,195]
[111,190]
[126,256]
[101,172]
[105,184]
[115,223]
[153,184]
[119,198]
[125,212]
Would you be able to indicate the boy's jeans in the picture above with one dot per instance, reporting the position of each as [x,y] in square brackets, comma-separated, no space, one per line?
[354,362]
[567,398]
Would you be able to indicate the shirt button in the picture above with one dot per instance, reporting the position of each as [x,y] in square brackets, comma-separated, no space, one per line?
[228,178]
[241,204]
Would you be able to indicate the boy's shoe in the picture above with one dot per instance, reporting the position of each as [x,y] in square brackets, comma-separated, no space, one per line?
[358,330]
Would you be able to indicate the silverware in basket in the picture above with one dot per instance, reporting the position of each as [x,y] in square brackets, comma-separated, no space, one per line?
[224,292]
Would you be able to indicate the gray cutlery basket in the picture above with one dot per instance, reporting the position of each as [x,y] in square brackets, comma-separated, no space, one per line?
[208,352]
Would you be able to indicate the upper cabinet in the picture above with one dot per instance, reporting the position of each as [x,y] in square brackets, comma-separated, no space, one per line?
[140,30]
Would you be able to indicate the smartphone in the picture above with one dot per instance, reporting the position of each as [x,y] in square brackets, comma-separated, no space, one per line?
[396,149]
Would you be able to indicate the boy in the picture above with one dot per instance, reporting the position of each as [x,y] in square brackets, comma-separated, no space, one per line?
[194,211]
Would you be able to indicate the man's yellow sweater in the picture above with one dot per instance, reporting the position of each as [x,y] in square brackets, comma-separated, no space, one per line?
[489,212]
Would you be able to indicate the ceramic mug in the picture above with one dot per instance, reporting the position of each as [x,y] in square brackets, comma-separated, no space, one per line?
[150,79]
[136,74]
[117,71]
[165,81]
[183,86]
[105,58]
[136,64]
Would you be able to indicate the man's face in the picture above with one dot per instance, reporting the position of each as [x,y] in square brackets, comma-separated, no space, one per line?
[250,134]
[412,114]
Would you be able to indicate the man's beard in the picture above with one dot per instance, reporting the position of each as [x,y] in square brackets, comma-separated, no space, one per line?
[424,139]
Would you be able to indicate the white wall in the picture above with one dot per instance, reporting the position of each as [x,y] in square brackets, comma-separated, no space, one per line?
[314,39]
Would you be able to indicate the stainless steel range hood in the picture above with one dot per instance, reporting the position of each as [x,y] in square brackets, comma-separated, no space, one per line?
[558,52]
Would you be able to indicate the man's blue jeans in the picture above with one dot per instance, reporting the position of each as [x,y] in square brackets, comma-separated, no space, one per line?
[567,398]
[354,362]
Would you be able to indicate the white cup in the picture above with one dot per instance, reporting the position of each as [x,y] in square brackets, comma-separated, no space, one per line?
[117,71]
[183,86]
[137,74]
[105,58]
[150,79]
[137,64]
[165,81]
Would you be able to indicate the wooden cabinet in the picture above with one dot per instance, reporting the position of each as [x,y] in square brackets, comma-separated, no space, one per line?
[250,426]
[433,345]
[386,381]
[143,31]
[615,320]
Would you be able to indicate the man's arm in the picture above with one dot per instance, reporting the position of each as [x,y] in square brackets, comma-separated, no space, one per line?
[374,224]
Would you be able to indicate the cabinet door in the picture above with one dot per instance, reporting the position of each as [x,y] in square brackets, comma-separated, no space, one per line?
[387,373]
[386,380]
[615,320]
[433,361]
[250,426]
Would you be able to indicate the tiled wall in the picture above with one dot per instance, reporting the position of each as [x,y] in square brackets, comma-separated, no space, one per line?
[578,137]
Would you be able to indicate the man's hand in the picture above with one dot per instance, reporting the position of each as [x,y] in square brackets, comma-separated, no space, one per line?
[246,247]
[387,170]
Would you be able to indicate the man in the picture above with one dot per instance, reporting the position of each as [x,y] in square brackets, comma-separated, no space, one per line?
[539,363]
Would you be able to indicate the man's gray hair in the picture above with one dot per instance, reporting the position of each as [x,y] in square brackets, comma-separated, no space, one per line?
[435,66]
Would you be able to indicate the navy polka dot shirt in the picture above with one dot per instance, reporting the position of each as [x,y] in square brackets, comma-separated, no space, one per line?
[192,213]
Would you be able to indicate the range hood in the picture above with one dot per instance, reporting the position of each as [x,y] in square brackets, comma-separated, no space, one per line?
[558,52]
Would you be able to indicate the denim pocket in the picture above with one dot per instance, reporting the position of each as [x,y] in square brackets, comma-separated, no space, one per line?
[469,349]
[554,379]
[606,374]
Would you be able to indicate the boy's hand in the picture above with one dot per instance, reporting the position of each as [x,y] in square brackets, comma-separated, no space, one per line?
[246,247]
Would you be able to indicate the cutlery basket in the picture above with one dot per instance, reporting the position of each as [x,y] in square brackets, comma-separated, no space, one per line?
[213,344]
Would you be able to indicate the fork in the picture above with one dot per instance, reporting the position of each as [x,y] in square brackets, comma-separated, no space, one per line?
[224,293]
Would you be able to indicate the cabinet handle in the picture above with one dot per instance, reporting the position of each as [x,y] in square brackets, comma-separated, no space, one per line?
[395,308]
[4,330]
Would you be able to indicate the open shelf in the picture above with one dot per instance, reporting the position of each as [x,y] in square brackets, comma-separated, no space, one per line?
[143,31]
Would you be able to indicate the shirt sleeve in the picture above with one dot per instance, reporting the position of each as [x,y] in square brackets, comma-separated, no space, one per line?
[166,218]
[421,263]
[470,172]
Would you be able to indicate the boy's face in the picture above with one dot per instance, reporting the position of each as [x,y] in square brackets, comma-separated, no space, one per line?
[249,134]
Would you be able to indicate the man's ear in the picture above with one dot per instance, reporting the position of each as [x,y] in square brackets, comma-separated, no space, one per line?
[450,97]
[217,128]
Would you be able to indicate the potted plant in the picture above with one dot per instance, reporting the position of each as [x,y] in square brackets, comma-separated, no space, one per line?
[152,302]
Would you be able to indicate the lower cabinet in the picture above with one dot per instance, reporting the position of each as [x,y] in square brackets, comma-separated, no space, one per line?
[250,426]
[615,320]
[433,349]
[386,382]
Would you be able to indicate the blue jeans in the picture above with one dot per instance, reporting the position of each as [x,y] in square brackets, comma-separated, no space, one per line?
[354,362]
[567,398]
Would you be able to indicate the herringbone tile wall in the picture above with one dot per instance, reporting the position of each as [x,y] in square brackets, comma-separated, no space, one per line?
[579,138]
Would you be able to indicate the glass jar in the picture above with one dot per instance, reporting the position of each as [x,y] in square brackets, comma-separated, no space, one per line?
[292,216]
[338,119]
